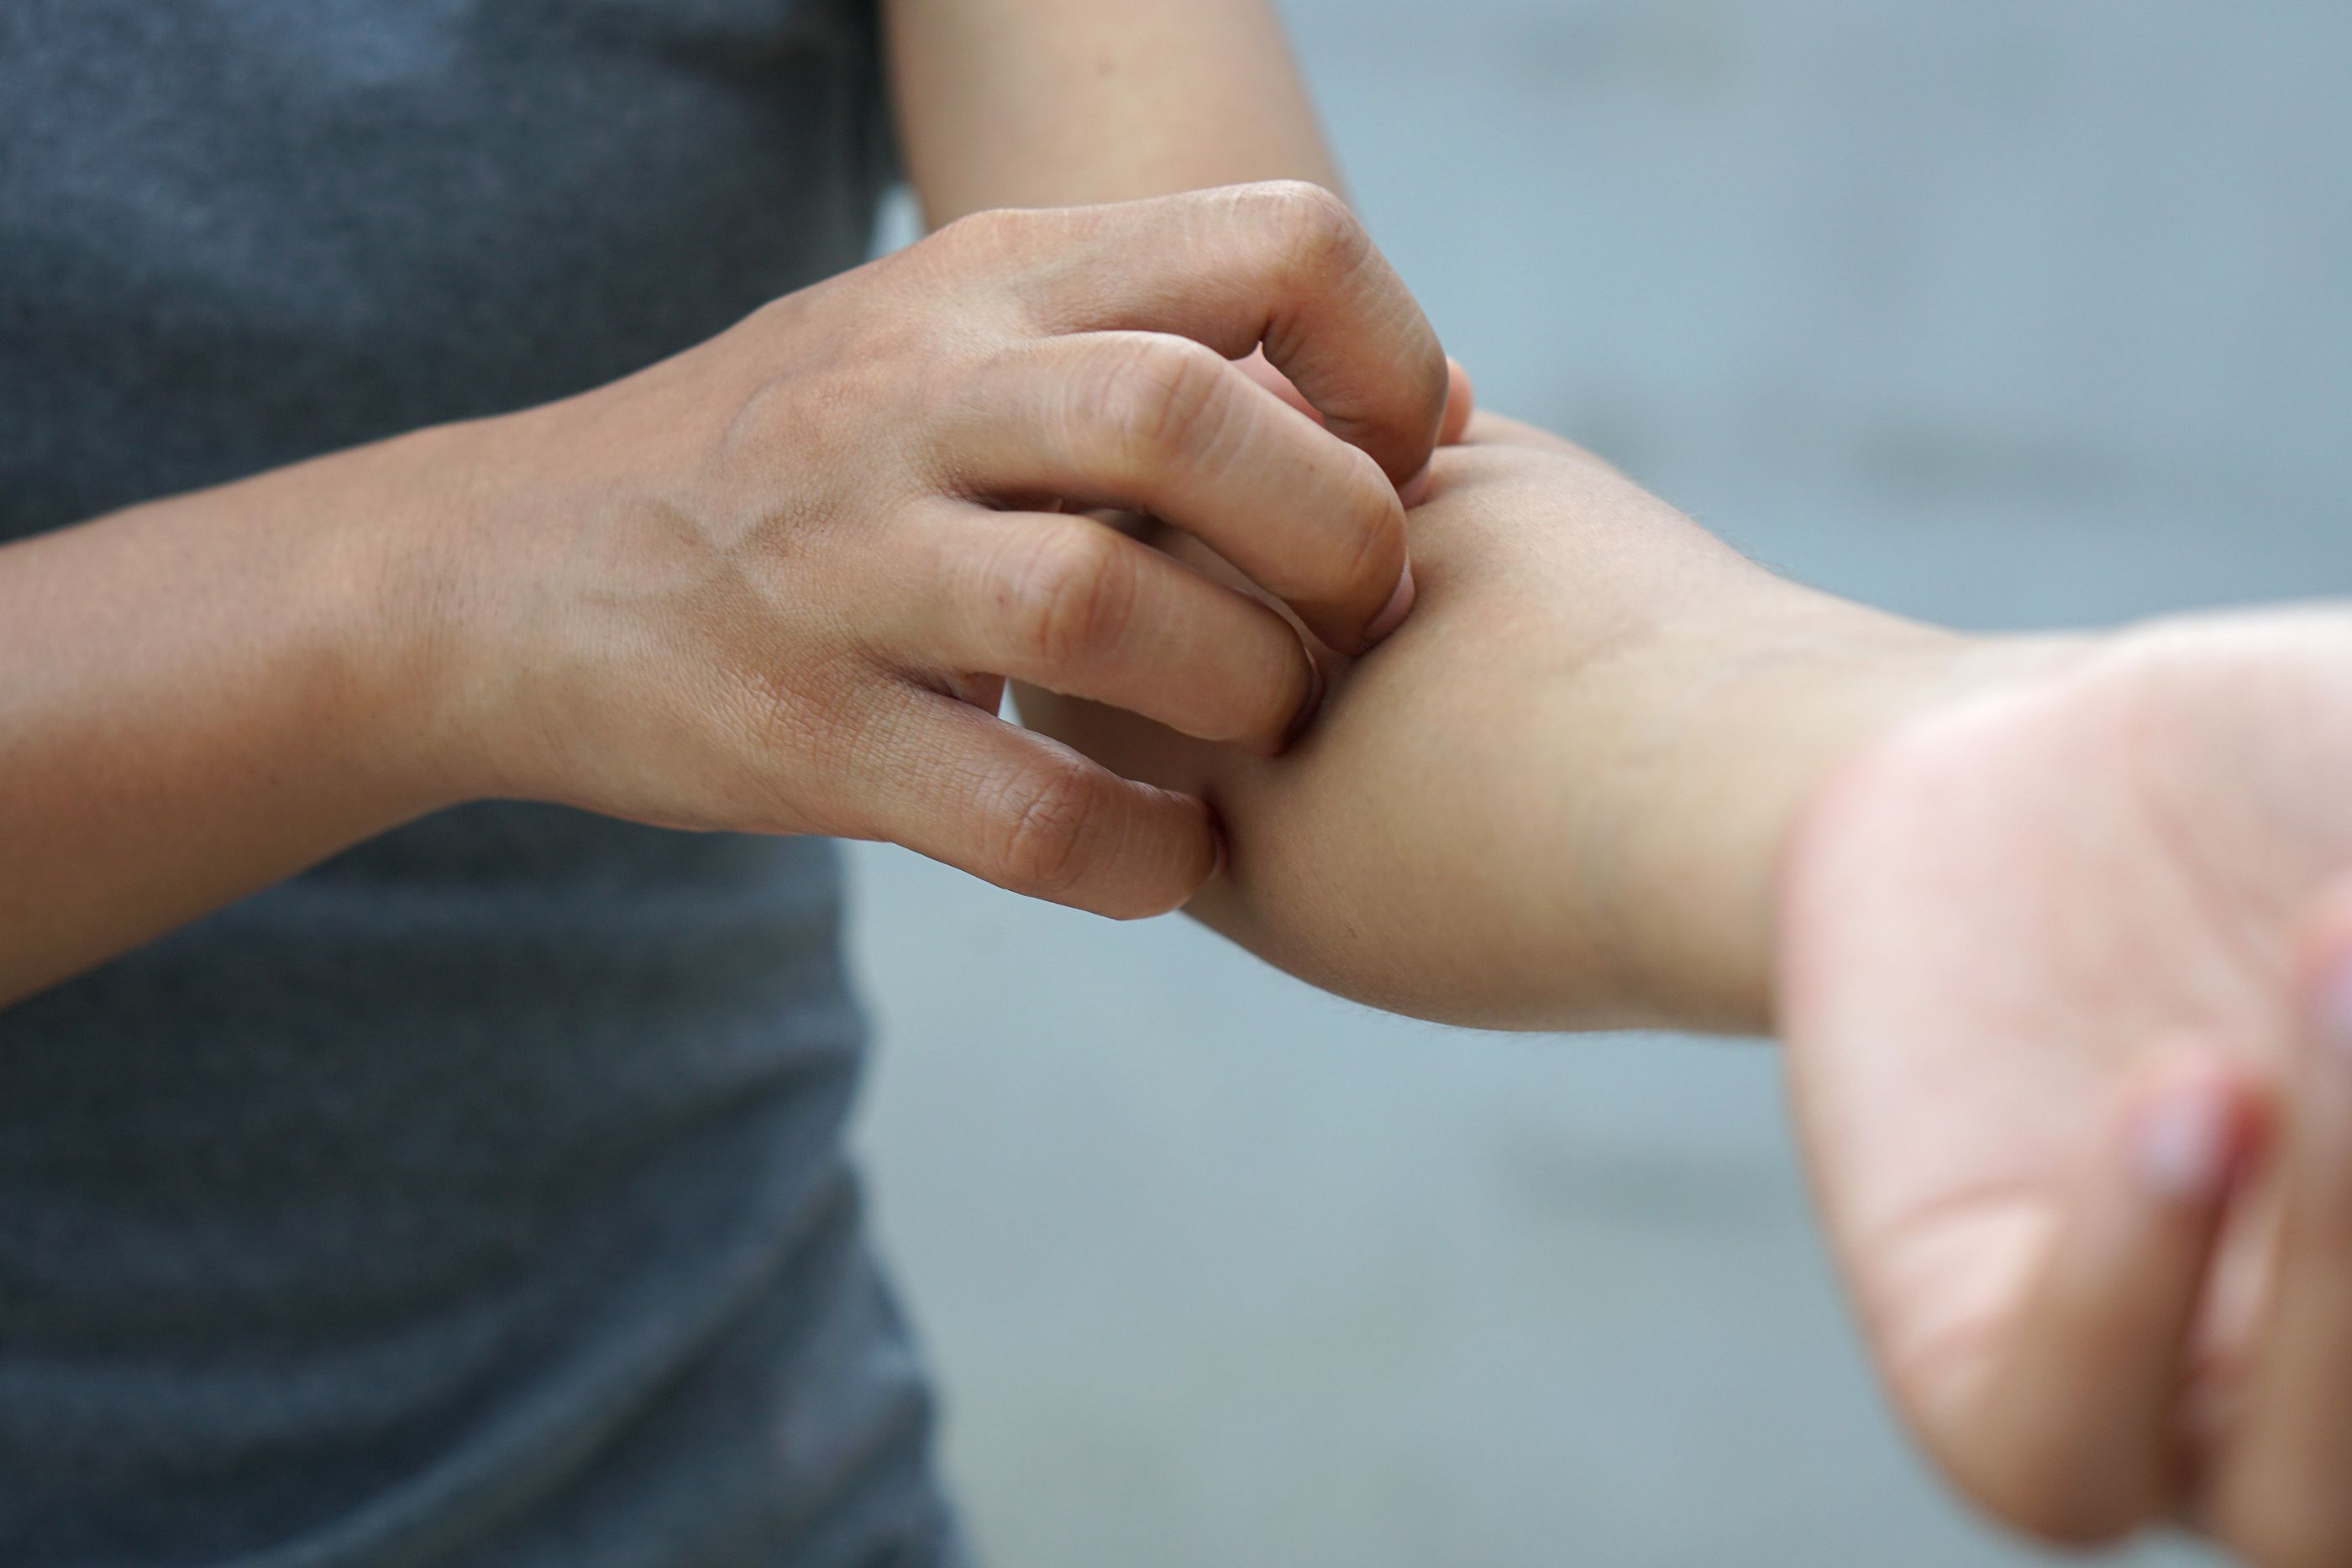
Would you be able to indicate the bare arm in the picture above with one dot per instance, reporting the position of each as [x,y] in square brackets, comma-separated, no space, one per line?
[2047,924]
[743,589]
[201,695]
[1020,103]
[207,692]
[1557,797]
[2058,932]
[1017,101]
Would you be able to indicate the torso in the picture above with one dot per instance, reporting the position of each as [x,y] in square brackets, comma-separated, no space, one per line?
[476,1198]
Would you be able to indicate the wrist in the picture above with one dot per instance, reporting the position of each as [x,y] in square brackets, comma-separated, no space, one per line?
[1759,715]
[409,581]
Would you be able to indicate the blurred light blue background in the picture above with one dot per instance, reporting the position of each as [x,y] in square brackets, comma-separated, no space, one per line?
[2002,312]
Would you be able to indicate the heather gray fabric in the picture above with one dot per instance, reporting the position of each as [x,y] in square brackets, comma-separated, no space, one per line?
[477,1198]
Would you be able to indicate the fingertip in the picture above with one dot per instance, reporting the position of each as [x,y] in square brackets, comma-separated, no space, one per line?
[2188,1133]
[1392,614]
[2147,1211]
[2067,1432]
[1461,403]
[1308,709]
[1399,432]
[1215,853]
[1158,875]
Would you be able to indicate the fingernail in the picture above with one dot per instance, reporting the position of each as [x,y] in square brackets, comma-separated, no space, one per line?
[1310,707]
[2182,1143]
[1400,605]
[1224,851]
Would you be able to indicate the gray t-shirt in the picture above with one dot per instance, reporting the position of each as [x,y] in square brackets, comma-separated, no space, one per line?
[477,1198]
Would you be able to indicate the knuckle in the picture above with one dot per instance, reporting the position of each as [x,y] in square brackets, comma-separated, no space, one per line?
[979,236]
[941,390]
[1164,400]
[792,728]
[1375,547]
[1068,597]
[1043,814]
[954,401]
[1321,236]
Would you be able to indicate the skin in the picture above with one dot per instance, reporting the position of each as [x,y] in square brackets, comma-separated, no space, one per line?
[2058,932]
[1040,103]
[1601,666]
[773,584]
[2066,974]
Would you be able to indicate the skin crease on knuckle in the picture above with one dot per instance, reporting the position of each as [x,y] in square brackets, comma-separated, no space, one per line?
[1068,595]
[1037,819]
[1166,402]
[1323,243]
[981,240]
[1327,253]
[777,723]
[1157,403]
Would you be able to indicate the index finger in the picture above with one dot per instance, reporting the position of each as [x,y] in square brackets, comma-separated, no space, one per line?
[1285,267]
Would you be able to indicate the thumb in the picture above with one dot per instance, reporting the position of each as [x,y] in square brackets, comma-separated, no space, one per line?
[2066,1429]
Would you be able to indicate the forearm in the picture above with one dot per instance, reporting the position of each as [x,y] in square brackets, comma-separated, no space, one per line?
[1681,767]
[200,695]
[1685,761]
[1064,103]
[765,585]
[1559,796]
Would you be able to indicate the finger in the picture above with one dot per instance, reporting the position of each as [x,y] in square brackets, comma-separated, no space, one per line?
[1028,813]
[1461,399]
[1459,407]
[1255,366]
[2067,1432]
[1461,403]
[1284,265]
[2282,1498]
[1068,605]
[1159,424]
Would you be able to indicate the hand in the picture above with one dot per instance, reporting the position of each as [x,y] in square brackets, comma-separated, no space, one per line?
[2067,917]
[2067,984]
[774,584]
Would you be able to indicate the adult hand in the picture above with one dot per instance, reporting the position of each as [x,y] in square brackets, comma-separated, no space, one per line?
[2067,982]
[775,584]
